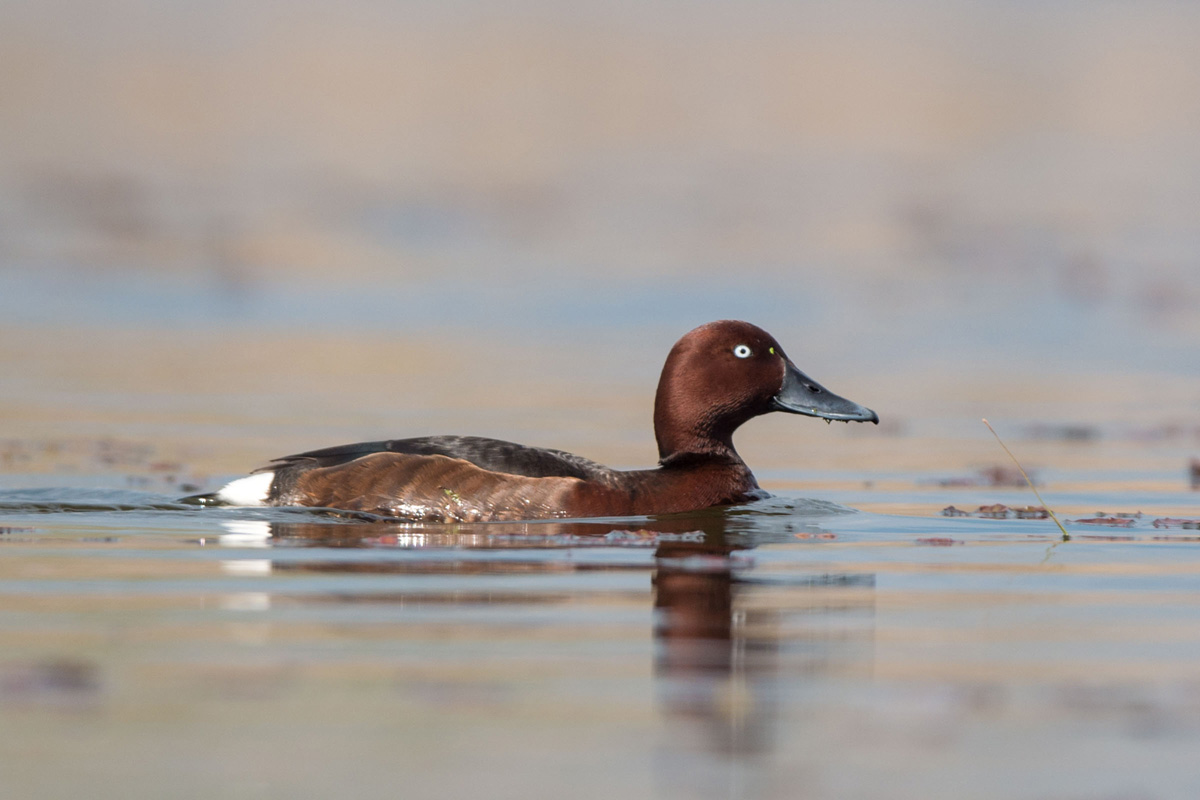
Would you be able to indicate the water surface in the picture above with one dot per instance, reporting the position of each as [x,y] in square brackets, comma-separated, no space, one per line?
[794,647]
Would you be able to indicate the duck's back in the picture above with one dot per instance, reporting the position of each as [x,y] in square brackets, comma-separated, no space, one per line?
[445,479]
[490,454]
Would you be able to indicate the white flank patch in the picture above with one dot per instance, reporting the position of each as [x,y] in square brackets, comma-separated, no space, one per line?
[249,491]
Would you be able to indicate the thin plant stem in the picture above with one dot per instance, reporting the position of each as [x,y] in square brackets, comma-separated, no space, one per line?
[1050,511]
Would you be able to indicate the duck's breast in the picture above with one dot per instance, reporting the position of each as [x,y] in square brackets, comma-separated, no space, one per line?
[689,484]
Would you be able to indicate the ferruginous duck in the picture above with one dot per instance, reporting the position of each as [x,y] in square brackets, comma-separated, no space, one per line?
[716,377]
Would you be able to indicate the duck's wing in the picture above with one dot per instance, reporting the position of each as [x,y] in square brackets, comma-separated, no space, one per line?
[493,455]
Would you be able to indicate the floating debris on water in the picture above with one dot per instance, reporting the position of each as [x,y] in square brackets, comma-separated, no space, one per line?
[998,511]
[1111,522]
[1171,522]
[1118,519]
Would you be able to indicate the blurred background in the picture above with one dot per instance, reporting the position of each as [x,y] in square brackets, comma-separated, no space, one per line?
[232,230]
[235,230]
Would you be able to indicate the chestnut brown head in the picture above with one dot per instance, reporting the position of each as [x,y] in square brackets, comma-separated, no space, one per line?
[724,373]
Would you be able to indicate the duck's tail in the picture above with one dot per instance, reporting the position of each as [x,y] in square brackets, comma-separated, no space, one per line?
[249,491]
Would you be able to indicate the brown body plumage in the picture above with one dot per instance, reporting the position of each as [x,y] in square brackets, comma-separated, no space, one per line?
[439,488]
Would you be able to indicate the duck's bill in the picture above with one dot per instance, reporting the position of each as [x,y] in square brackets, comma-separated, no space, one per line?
[800,394]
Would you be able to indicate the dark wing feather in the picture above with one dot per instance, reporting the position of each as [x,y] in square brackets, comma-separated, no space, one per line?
[489,454]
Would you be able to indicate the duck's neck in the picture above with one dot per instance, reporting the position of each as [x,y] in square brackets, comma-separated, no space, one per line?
[676,445]
[683,431]
[698,466]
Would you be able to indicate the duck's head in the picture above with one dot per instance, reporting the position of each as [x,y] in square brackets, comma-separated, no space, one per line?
[724,373]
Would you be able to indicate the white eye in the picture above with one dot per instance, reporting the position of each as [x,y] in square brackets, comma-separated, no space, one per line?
[742,351]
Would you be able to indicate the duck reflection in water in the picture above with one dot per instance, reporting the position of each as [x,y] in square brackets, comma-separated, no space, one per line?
[735,649]
[731,646]
[709,671]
